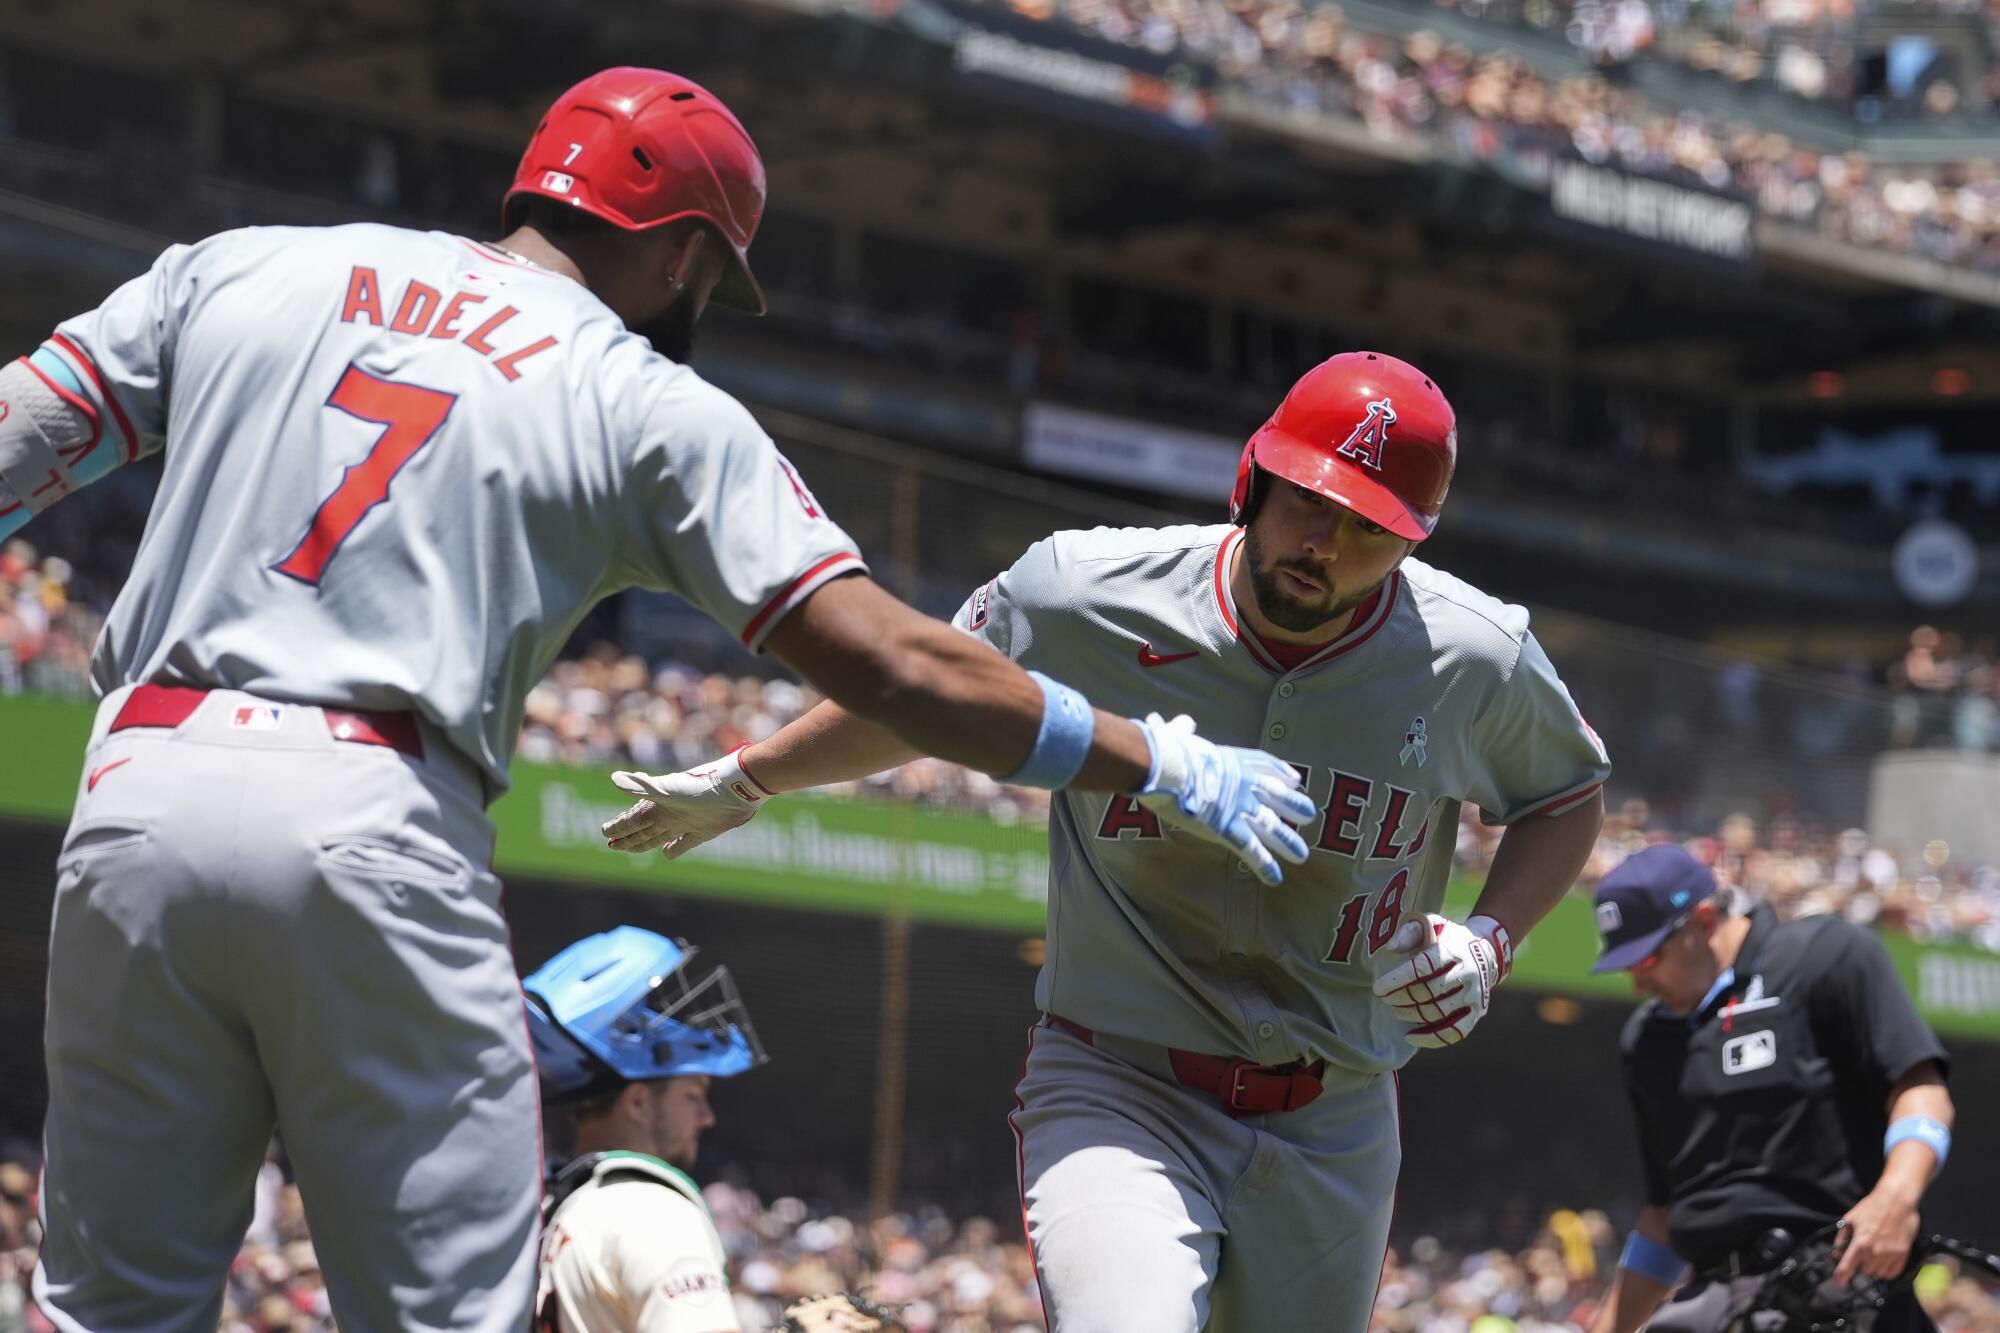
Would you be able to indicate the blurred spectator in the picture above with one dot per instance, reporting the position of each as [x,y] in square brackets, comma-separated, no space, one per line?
[1492,106]
[1806,870]
[975,1276]
[45,638]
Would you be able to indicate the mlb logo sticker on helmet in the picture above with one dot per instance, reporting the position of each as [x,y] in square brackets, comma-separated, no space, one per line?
[557,181]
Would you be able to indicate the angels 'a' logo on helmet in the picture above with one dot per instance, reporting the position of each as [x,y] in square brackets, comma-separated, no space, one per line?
[1364,446]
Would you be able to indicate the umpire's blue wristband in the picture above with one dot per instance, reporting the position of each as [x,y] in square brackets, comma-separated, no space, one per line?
[1925,1129]
[1645,1255]
[1067,726]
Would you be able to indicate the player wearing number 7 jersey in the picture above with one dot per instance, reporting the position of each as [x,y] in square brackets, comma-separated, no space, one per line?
[1207,1121]
[399,467]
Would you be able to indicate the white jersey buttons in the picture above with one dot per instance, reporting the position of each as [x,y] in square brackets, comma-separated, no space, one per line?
[1277,731]
[1286,689]
[1267,1029]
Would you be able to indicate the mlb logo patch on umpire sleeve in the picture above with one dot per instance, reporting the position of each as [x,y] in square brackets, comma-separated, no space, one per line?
[1752,1050]
[979,600]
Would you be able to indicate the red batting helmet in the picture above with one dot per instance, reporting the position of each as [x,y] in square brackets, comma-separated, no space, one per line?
[641,148]
[1365,430]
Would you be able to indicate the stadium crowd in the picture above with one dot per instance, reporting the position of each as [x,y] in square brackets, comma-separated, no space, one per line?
[1809,48]
[45,636]
[609,709]
[1492,107]
[945,1275]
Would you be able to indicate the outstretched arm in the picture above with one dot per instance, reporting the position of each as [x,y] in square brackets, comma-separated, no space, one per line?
[906,684]
[827,745]
[938,691]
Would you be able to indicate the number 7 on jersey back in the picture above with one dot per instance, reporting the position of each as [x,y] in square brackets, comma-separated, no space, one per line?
[411,416]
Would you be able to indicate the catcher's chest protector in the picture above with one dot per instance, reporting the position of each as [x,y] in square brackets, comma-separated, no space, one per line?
[593,1171]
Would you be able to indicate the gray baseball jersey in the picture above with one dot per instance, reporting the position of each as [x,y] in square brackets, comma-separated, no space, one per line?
[1436,694]
[400,468]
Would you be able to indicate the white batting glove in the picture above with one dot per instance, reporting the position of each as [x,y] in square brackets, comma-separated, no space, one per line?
[1446,987]
[684,810]
[1227,794]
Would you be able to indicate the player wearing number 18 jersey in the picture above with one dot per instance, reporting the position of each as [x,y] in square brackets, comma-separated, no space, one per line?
[399,467]
[1207,1121]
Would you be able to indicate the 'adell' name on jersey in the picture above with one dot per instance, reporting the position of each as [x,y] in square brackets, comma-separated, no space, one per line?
[1436,694]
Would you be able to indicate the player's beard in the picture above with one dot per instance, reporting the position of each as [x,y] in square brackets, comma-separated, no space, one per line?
[672,330]
[1297,615]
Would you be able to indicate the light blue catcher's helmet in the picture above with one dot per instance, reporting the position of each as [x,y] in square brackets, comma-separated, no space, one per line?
[621,1008]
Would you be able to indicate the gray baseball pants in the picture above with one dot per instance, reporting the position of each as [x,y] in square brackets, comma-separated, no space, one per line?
[258,927]
[1152,1210]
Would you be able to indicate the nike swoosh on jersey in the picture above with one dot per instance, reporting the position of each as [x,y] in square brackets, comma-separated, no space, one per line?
[1149,658]
[91,785]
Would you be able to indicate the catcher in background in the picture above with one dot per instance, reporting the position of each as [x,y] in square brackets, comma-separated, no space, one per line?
[627,1040]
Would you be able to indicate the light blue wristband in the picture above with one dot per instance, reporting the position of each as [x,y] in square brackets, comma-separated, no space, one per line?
[1926,1130]
[1645,1255]
[1067,726]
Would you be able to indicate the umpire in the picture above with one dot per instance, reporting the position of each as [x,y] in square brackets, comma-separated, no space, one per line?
[1782,1082]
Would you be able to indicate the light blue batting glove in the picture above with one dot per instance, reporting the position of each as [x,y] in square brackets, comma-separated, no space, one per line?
[1238,797]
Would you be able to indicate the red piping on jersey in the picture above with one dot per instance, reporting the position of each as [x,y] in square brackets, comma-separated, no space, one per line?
[82,405]
[1021,1175]
[1347,641]
[1555,805]
[1221,568]
[772,607]
[117,412]
[1356,635]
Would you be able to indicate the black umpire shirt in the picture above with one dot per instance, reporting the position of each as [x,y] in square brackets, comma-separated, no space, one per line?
[1767,1106]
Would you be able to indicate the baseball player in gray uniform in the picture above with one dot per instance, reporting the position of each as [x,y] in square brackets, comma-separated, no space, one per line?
[1207,1123]
[399,467]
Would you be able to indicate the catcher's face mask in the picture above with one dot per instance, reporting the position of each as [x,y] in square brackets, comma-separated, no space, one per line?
[626,1007]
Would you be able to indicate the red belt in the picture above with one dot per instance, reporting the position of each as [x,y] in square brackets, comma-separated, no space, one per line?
[171,705]
[1241,1087]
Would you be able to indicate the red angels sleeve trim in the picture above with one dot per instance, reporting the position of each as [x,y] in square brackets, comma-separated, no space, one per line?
[1555,805]
[85,366]
[1364,627]
[90,413]
[847,562]
[1222,551]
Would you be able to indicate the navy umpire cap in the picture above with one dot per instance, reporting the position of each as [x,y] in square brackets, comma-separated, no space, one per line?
[1641,902]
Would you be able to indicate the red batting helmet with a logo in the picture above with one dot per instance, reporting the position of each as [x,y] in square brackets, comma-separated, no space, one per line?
[1366,431]
[640,148]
